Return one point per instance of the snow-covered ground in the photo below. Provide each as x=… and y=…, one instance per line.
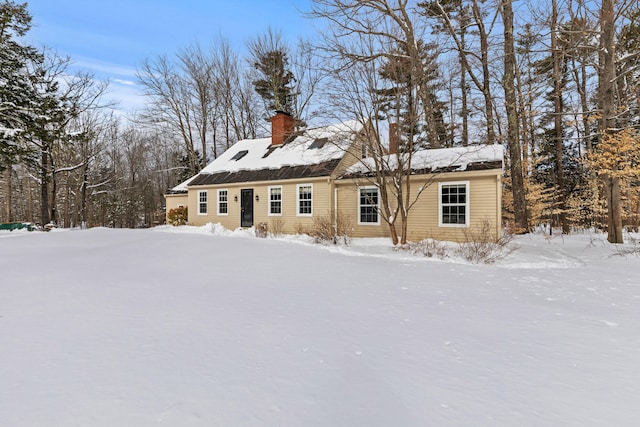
x=192, y=326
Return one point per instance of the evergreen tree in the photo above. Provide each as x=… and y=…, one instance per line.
x=459, y=21
x=411, y=98
x=628, y=45
x=555, y=168
x=16, y=90
x=270, y=58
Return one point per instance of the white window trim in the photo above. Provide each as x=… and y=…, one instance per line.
x=207, y=203
x=218, y=202
x=298, y=200
x=269, y=200
x=467, y=210
x=368, y=187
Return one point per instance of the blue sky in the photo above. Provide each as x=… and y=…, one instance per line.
x=111, y=38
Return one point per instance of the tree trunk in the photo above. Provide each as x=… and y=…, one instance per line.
x=30, y=213
x=45, y=217
x=53, y=202
x=83, y=196
x=614, y=231
x=607, y=101
x=584, y=102
x=394, y=234
x=7, y=209
x=405, y=229
x=557, y=118
x=523, y=113
x=463, y=90
x=513, y=134
x=486, y=73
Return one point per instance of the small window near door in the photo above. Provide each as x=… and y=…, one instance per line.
x=223, y=202
x=275, y=200
x=202, y=202
x=305, y=200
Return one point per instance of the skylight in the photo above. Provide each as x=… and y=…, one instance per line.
x=239, y=155
x=270, y=150
x=318, y=143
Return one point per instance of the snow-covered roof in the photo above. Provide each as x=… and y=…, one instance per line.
x=456, y=159
x=310, y=147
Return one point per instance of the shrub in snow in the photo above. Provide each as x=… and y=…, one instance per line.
x=262, y=230
x=177, y=216
x=632, y=247
x=276, y=227
x=481, y=247
x=325, y=231
x=428, y=247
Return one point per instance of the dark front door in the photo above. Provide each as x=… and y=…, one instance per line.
x=246, y=208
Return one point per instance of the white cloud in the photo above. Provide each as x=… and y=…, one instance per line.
x=128, y=96
x=123, y=88
x=125, y=82
x=101, y=67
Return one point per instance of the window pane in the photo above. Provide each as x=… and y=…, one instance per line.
x=275, y=200
x=454, y=204
x=223, y=206
x=368, y=205
x=304, y=199
x=202, y=202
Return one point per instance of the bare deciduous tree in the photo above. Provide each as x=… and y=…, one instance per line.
x=198, y=69
x=376, y=48
x=513, y=129
x=170, y=103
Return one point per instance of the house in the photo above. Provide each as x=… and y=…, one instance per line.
x=292, y=179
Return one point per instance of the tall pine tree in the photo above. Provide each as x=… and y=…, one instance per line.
x=16, y=90
x=274, y=80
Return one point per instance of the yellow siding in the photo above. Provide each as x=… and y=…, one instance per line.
x=173, y=201
x=423, y=221
x=351, y=156
x=195, y=218
x=484, y=204
x=348, y=208
x=289, y=221
x=424, y=217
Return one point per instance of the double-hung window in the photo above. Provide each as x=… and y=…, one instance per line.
x=223, y=202
x=202, y=202
x=368, y=205
x=275, y=200
x=454, y=204
x=305, y=199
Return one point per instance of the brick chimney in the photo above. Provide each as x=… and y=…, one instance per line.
x=394, y=141
x=282, y=125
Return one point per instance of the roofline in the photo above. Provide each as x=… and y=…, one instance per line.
x=319, y=170
x=272, y=182
x=471, y=167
